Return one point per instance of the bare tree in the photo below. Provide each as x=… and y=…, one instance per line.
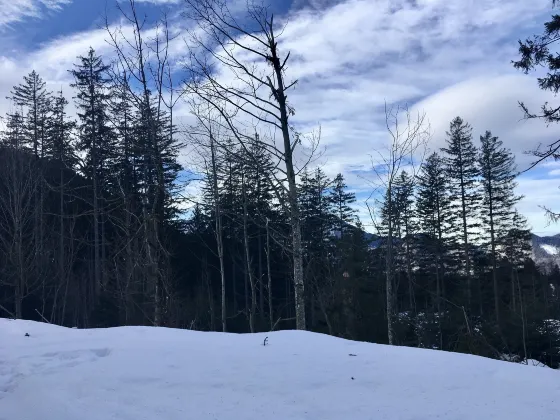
x=249, y=54
x=145, y=60
x=406, y=149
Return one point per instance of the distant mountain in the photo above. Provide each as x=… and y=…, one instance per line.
x=546, y=251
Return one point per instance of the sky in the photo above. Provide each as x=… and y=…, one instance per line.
x=444, y=58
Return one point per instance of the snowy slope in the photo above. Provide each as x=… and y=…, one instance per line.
x=138, y=373
x=550, y=249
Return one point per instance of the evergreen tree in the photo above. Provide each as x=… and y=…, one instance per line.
x=315, y=211
x=123, y=121
x=95, y=140
x=59, y=130
x=96, y=137
x=341, y=201
x=433, y=205
x=33, y=97
x=14, y=134
x=497, y=169
x=462, y=170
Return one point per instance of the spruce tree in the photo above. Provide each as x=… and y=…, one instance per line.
x=33, y=97
x=432, y=208
x=517, y=249
x=316, y=223
x=13, y=136
x=497, y=170
x=95, y=140
x=341, y=201
x=315, y=211
x=59, y=133
x=462, y=170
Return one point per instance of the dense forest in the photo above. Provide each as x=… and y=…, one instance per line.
x=96, y=229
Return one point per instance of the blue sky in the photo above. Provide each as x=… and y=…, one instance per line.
x=442, y=57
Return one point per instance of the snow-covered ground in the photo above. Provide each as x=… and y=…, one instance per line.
x=137, y=373
x=549, y=249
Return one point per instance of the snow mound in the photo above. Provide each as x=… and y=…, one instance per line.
x=549, y=249
x=134, y=373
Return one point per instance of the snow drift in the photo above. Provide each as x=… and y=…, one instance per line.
x=136, y=373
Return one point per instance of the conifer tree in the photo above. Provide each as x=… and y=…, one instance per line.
x=315, y=210
x=341, y=201
x=96, y=139
x=59, y=148
x=33, y=97
x=497, y=169
x=517, y=250
x=59, y=130
x=462, y=170
x=433, y=214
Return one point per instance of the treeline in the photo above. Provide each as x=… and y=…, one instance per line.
x=92, y=231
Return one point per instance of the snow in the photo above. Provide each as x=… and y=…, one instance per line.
x=549, y=249
x=137, y=373
x=536, y=363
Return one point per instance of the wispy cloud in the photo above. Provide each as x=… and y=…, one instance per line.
x=444, y=57
x=12, y=11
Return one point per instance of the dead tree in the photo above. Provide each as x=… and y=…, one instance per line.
x=221, y=47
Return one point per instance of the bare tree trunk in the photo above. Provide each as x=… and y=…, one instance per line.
x=248, y=259
x=324, y=311
x=219, y=232
x=297, y=247
x=404, y=145
x=493, y=256
x=261, y=283
x=522, y=309
x=389, y=272
x=466, y=244
x=513, y=300
x=270, y=307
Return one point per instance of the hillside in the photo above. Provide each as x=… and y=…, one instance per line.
x=546, y=251
x=134, y=373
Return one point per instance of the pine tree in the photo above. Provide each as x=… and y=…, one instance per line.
x=433, y=207
x=59, y=133
x=14, y=134
x=123, y=121
x=341, y=201
x=462, y=170
x=497, y=169
x=32, y=96
x=315, y=211
x=517, y=250
x=316, y=224
x=95, y=140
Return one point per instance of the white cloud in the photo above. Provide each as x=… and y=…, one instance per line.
x=12, y=11
x=450, y=57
